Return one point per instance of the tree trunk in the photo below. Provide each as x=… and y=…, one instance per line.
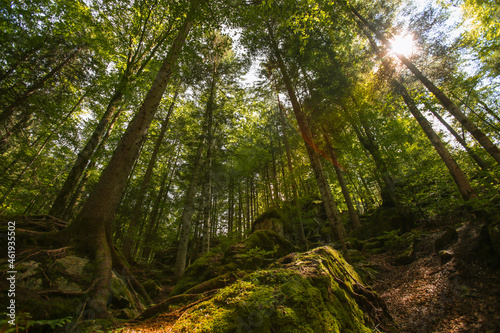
x=187, y=213
x=330, y=206
x=157, y=212
x=137, y=211
x=70, y=207
x=91, y=229
x=479, y=161
x=456, y=172
x=300, y=226
x=85, y=154
x=369, y=143
x=353, y=215
x=207, y=188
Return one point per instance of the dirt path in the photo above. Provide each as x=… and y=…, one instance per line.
x=462, y=295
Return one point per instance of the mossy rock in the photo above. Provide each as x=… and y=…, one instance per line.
x=316, y=291
x=384, y=219
x=257, y=251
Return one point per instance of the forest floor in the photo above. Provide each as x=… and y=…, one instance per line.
x=425, y=296
x=428, y=295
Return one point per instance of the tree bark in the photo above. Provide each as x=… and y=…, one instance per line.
x=456, y=172
x=353, y=215
x=157, y=211
x=137, y=211
x=187, y=213
x=207, y=188
x=91, y=230
x=82, y=160
x=479, y=161
x=330, y=206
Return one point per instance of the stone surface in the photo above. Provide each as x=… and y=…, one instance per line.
x=315, y=291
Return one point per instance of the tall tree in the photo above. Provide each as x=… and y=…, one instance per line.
x=91, y=229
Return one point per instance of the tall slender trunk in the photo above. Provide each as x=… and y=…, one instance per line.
x=92, y=227
x=77, y=193
x=456, y=172
x=157, y=211
x=368, y=142
x=240, y=212
x=487, y=144
x=137, y=211
x=300, y=225
x=330, y=206
x=353, y=215
x=207, y=188
x=187, y=213
x=479, y=161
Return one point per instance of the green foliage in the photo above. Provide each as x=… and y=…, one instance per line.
x=24, y=322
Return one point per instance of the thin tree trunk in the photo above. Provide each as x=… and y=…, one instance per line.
x=456, y=172
x=85, y=154
x=353, y=215
x=70, y=207
x=300, y=226
x=330, y=206
x=479, y=161
x=368, y=142
x=240, y=213
x=207, y=189
x=157, y=212
x=187, y=213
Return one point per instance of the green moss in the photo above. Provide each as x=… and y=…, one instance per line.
x=309, y=292
x=257, y=251
x=273, y=213
x=385, y=219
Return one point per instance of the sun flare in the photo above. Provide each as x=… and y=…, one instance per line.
x=402, y=44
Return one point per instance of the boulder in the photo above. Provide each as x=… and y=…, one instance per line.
x=445, y=256
x=259, y=250
x=315, y=291
x=270, y=220
x=385, y=219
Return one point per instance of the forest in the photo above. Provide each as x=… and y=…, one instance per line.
x=250, y=166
